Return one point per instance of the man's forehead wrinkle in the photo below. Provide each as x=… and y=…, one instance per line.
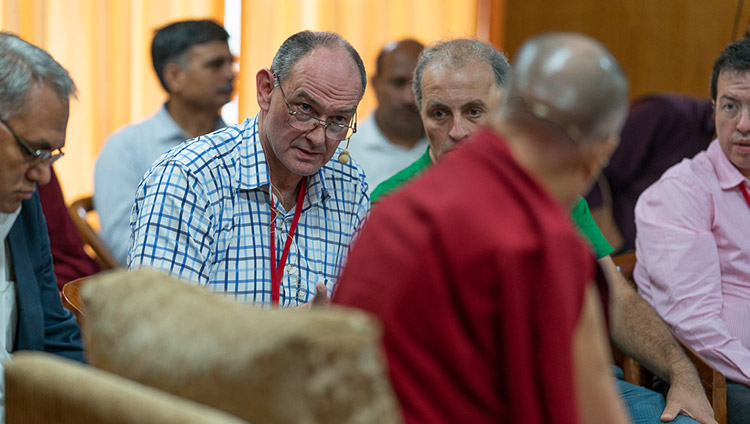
x=327, y=94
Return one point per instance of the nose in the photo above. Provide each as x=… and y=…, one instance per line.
x=40, y=173
x=743, y=126
x=317, y=135
x=459, y=129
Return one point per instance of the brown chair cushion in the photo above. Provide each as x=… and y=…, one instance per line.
x=289, y=366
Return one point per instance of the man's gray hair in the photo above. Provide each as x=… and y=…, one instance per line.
x=570, y=80
x=21, y=65
x=300, y=44
x=456, y=54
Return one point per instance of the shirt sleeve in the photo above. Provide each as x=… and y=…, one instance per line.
x=581, y=215
x=172, y=224
x=679, y=268
x=116, y=178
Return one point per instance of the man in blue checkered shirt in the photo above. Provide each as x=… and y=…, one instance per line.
x=258, y=210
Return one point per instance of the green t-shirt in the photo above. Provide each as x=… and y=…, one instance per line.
x=580, y=213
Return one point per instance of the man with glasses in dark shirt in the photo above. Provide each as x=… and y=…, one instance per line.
x=258, y=210
x=34, y=95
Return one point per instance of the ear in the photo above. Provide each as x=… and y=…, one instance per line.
x=599, y=154
x=174, y=77
x=264, y=86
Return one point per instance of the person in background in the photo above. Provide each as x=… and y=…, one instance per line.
x=34, y=104
x=196, y=69
x=693, y=237
x=392, y=137
x=258, y=210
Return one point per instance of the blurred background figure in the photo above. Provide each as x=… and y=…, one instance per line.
x=196, y=69
x=392, y=137
x=661, y=130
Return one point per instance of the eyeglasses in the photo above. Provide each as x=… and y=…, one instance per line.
x=36, y=155
x=304, y=121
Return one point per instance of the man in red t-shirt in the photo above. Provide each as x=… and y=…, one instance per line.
x=482, y=285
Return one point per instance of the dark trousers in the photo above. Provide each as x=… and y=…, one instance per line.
x=738, y=403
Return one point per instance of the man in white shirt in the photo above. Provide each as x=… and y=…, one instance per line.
x=392, y=137
x=34, y=95
x=195, y=67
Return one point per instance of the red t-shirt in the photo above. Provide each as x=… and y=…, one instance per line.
x=478, y=278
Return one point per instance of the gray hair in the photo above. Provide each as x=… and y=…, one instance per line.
x=300, y=44
x=458, y=53
x=570, y=80
x=22, y=64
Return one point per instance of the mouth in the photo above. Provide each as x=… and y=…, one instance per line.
x=226, y=89
x=307, y=154
x=26, y=195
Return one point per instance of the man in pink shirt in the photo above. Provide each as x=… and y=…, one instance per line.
x=693, y=237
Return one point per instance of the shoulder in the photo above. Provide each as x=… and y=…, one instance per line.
x=215, y=150
x=685, y=191
x=134, y=131
x=696, y=173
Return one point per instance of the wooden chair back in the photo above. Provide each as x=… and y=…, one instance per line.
x=71, y=298
x=80, y=211
x=714, y=383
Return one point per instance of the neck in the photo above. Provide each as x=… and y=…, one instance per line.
x=563, y=178
x=284, y=182
x=287, y=189
x=406, y=137
x=193, y=121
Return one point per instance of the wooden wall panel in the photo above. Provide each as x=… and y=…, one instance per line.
x=663, y=45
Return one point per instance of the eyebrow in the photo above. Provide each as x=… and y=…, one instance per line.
x=221, y=59
x=474, y=103
x=434, y=105
x=42, y=145
x=728, y=97
x=315, y=104
x=470, y=103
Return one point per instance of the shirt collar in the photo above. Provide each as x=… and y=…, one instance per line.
x=728, y=175
x=253, y=168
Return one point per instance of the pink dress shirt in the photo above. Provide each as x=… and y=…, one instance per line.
x=693, y=251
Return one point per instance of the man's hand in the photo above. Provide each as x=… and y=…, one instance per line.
x=686, y=397
x=320, y=299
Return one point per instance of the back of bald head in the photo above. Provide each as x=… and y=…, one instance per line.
x=570, y=80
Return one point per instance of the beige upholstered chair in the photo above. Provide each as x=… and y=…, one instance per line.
x=42, y=388
x=287, y=366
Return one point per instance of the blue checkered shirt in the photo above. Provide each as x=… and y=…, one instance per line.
x=203, y=214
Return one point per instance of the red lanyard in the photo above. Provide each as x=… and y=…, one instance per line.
x=277, y=273
x=744, y=193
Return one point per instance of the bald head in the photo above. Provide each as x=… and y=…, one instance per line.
x=570, y=80
x=408, y=47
